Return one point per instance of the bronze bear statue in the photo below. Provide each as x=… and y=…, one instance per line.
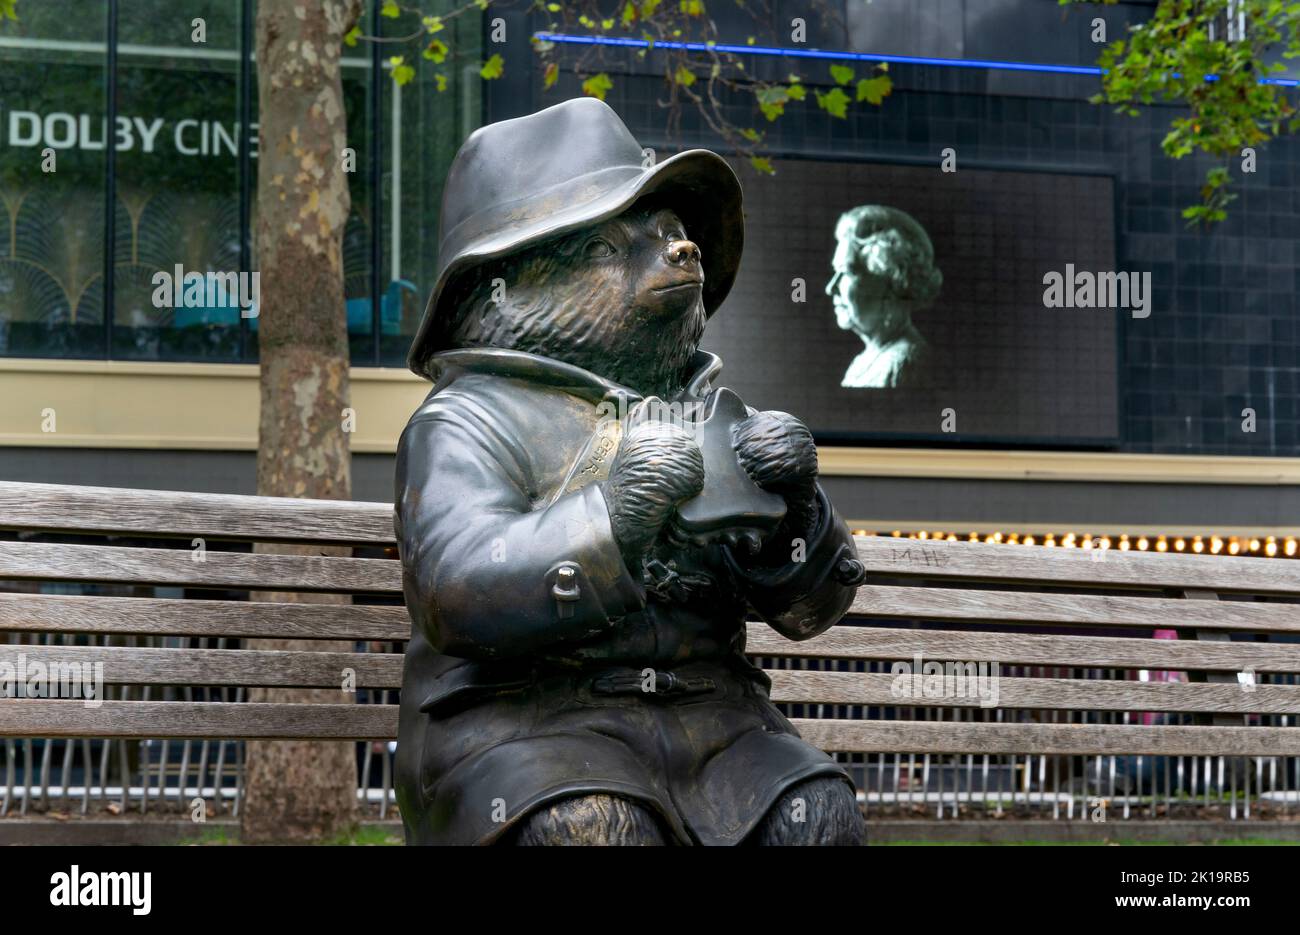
x=578, y=567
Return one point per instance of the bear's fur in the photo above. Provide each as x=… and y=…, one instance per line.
x=562, y=299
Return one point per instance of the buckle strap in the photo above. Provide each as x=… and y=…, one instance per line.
x=649, y=681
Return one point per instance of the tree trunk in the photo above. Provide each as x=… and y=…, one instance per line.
x=301, y=790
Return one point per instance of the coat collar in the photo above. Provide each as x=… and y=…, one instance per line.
x=446, y=366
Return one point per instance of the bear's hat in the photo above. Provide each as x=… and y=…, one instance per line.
x=522, y=181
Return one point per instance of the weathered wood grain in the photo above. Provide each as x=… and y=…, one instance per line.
x=850, y=642
x=1060, y=739
x=68, y=613
x=1203, y=596
x=39, y=717
x=941, y=559
x=1088, y=610
x=864, y=688
x=151, y=666
x=256, y=571
x=59, y=508
x=68, y=508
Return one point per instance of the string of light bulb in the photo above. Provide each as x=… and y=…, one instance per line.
x=1251, y=546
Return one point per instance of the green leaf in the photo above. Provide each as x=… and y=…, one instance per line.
x=629, y=14
x=349, y=39
x=597, y=85
x=771, y=101
x=648, y=8
x=440, y=81
x=432, y=24
x=842, y=74
x=684, y=76
x=692, y=7
x=835, y=102
x=874, y=90
x=9, y=10
x=550, y=75
x=796, y=92
x=553, y=7
x=606, y=24
x=762, y=164
x=751, y=134
x=436, y=51
x=492, y=68
x=390, y=9
x=402, y=72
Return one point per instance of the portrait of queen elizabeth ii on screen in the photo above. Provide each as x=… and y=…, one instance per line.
x=883, y=271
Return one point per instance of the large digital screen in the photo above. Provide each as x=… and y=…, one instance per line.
x=881, y=301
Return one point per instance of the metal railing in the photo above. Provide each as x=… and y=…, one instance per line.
x=103, y=777
x=1066, y=788
x=89, y=776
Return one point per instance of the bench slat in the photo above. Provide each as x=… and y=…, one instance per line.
x=875, y=688
x=74, y=613
x=1086, y=610
x=66, y=508
x=848, y=642
x=150, y=666
x=40, y=717
x=64, y=718
x=101, y=563
x=941, y=559
x=1054, y=739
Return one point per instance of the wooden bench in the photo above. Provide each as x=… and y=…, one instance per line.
x=944, y=601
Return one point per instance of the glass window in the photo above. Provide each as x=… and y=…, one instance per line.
x=423, y=129
x=359, y=261
x=177, y=183
x=182, y=179
x=53, y=64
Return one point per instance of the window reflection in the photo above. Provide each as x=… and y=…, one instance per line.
x=184, y=198
x=177, y=181
x=52, y=67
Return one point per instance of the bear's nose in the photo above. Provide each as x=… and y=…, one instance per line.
x=682, y=252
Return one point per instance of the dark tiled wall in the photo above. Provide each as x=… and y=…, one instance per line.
x=1222, y=335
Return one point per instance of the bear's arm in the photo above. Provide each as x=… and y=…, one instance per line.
x=480, y=564
x=803, y=599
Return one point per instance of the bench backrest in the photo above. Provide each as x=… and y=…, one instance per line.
x=941, y=601
x=1224, y=685
x=243, y=598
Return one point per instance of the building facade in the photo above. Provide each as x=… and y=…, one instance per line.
x=1168, y=421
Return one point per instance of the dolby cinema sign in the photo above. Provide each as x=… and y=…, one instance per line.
x=63, y=131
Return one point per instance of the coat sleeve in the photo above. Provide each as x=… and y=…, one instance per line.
x=488, y=571
x=801, y=599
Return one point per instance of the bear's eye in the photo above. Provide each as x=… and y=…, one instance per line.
x=597, y=247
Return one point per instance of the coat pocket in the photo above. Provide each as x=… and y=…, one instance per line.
x=465, y=684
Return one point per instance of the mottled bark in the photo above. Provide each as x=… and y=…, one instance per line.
x=301, y=790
